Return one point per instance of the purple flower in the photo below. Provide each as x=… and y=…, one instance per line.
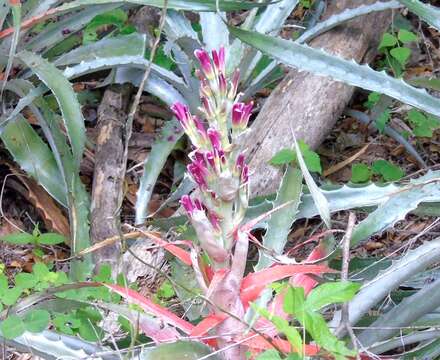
x=219, y=60
x=199, y=126
x=182, y=113
x=241, y=114
x=205, y=62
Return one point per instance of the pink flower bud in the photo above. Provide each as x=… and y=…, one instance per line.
x=207, y=106
x=241, y=114
x=199, y=173
x=215, y=220
x=182, y=113
x=188, y=204
x=234, y=84
x=215, y=138
x=222, y=86
x=205, y=62
x=239, y=163
x=245, y=174
x=200, y=127
x=219, y=60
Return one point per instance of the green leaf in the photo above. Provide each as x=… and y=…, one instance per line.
x=3, y=283
x=166, y=290
x=188, y=350
x=19, y=238
x=10, y=296
x=66, y=324
x=422, y=125
x=104, y=274
x=294, y=300
x=388, y=171
x=271, y=354
x=116, y=17
x=12, y=327
x=66, y=98
x=360, y=173
x=331, y=293
x=388, y=40
x=286, y=156
x=382, y=120
x=25, y=280
x=282, y=157
x=51, y=239
x=36, y=320
x=90, y=332
x=321, y=63
x=401, y=54
x=41, y=271
x=373, y=99
x=406, y=36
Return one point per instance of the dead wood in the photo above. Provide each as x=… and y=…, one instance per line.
x=306, y=104
x=108, y=177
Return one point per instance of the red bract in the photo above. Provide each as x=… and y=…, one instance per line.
x=254, y=283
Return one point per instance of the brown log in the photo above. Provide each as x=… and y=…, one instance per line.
x=108, y=177
x=307, y=104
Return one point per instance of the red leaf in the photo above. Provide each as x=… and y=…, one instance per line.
x=305, y=281
x=254, y=283
x=178, y=252
x=152, y=308
x=207, y=324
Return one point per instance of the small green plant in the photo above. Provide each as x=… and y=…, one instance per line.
x=36, y=238
x=393, y=46
x=361, y=173
x=422, y=125
x=306, y=310
x=287, y=156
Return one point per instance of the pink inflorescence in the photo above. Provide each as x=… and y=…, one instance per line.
x=215, y=165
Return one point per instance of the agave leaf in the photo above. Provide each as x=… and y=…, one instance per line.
x=423, y=189
x=190, y=350
x=160, y=150
x=186, y=5
x=66, y=98
x=4, y=10
x=403, y=315
x=34, y=157
x=214, y=30
x=125, y=45
x=321, y=63
x=344, y=16
x=430, y=350
x=16, y=20
x=279, y=223
x=270, y=22
x=426, y=12
x=76, y=195
x=52, y=346
x=318, y=196
x=178, y=26
x=403, y=269
x=52, y=35
x=416, y=337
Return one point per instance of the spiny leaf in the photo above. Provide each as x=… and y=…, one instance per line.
x=190, y=350
x=428, y=13
x=34, y=157
x=344, y=16
x=279, y=223
x=66, y=98
x=322, y=63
